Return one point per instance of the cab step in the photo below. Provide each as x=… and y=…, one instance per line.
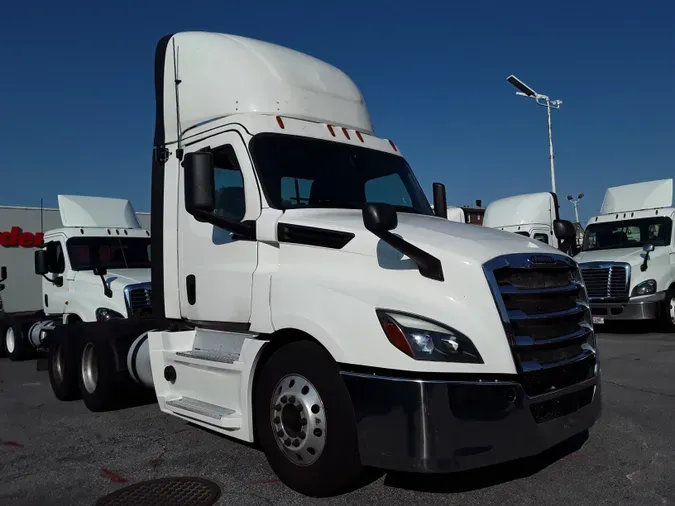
x=204, y=411
x=212, y=355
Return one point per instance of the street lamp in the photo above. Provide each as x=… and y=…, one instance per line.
x=575, y=203
x=543, y=100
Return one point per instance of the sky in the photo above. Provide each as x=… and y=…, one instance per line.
x=77, y=96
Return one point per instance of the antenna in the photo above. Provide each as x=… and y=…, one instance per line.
x=42, y=228
x=176, y=82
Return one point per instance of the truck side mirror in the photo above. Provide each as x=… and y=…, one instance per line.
x=101, y=273
x=564, y=230
x=440, y=202
x=41, y=262
x=647, y=248
x=200, y=188
x=379, y=217
x=3, y=273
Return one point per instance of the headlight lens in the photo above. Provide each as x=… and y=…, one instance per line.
x=103, y=314
x=427, y=340
x=645, y=288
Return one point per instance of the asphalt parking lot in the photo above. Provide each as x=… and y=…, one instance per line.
x=54, y=453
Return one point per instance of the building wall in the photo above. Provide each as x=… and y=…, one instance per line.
x=20, y=235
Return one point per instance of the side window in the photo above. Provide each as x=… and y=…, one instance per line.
x=57, y=262
x=541, y=237
x=229, y=183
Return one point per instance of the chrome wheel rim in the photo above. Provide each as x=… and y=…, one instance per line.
x=57, y=364
x=672, y=310
x=298, y=420
x=10, y=342
x=89, y=368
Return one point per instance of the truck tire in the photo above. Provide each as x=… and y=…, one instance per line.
x=305, y=421
x=63, y=366
x=3, y=346
x=668, y=317
x=16, y=344
x=97, y=379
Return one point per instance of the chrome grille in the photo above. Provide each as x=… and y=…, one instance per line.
x=138, y=298
x=543, y=305
x=606, y=281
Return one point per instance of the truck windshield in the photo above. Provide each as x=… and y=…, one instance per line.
x=86, y=253
x=301, y=172
x=628, y=233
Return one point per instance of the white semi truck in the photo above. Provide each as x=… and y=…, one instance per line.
x=626, y=257
x=97, y=234
x=534, y=215
x=305, y=296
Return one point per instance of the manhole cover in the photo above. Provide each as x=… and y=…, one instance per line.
x=165, y=492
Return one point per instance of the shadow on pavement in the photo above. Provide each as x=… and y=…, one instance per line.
x=466, y=481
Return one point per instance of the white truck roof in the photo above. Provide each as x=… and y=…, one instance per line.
x=638, y=196
x=529, y=208
x=222, y=75
x=97, y=212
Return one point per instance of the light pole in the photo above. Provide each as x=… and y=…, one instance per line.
x=575, y=203
x=543, y=100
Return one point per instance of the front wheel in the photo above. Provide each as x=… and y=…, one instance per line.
x=668, y=316
x=305, y=421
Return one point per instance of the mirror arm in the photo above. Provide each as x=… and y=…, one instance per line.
x=107, y=291
x=428, y=265
x=246, y=229
x=644, y=265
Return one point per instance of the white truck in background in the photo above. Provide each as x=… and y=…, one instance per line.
x=534, y=215
x=307, y=298
x=626, y=257
x=97, y=234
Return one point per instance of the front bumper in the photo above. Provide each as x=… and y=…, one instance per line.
x=446, y=426
x=644, y=308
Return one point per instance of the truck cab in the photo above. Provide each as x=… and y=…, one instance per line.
x=94, y=268
x=627, y=255
x=306, y=297
x=534, y=215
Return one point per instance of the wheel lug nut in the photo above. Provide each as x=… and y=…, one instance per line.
x=302, y=435
x=280, y=433
x=277, y=407
x=291, y=399
x=296, y=443
x=317, y=432
x=303, y=422
x=283, y=399
x=287, y=442
x=276, y=419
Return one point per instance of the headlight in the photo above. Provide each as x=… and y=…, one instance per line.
x=103, y=314
x=645, y=288
x=427, y=340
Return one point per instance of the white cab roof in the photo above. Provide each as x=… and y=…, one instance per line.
x=638, y=196
x=100, y=212
x=222, y=75
x=524, y=209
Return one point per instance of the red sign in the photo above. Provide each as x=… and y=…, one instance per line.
x=16, y=237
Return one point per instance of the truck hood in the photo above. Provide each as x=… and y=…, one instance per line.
x=128, y=276
x=658, y=265
x=438, y=236
x=632, y=256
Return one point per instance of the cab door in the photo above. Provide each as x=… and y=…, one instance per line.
x=216, y=265
x=56, y=287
